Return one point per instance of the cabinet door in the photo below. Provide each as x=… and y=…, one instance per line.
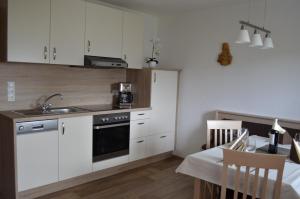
x=137, y=149
x=163, y=101
x=133, y=39
x=67, y=32
x=28, y=31
x=103, y=31
x=37, y=159
x=75, y=146
x=161, y=143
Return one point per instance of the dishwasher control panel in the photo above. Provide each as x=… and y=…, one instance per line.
x=36, y=126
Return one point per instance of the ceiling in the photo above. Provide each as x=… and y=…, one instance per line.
x=170, y=6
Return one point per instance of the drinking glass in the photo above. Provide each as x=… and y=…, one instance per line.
x=251, y=144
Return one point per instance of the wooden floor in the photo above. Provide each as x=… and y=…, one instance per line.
x=155, y=181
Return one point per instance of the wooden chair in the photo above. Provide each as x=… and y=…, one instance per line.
x=257, y=161
x=223, y=131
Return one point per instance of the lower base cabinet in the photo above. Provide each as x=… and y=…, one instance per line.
x=143, y=142
x=59, y=155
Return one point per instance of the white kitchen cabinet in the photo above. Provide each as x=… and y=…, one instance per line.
x=28, y=31
x=46, y=31
x=37, y=159
x=75, y=146
x=133, y=39
x=104, y=31
x=138, y=149
x=161, y=143
x=163, y=101
x=67, y=32
x=139, y=128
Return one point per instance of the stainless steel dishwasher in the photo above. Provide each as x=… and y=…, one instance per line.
x=37, y=153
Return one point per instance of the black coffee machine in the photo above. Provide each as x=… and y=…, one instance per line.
x=125, y=97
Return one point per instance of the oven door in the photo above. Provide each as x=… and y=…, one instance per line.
x=110, y=141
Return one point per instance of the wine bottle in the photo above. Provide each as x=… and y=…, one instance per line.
x=273, y=142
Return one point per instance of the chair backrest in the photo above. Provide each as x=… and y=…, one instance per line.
x=256, y=161
x=222, y=129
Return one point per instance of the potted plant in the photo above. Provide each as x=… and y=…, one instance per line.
x=153, y=60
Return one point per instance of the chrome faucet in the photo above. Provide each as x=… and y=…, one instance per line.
x=46, y=106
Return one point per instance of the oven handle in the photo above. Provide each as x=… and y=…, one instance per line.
x=110, y=126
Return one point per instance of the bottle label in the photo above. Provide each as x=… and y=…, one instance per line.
x=272, y=139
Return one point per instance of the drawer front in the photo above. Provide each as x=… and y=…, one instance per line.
x=160, y=144
x=140, y=115
x=139, y=128
x=138, y=149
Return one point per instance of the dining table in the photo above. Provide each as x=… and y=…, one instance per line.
x=207, y=166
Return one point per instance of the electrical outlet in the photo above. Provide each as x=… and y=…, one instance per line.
x=11, y=93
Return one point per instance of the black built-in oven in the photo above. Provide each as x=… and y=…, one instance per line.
x=110, y=136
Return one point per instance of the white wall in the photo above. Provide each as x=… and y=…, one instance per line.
x=263, y=82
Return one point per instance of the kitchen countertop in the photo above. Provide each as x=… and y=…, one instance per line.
x=85, y=111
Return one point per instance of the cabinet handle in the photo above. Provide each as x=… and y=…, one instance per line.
x=163, y=136
x=89, y=46
x=54, y=53
x=142, y=123
x=45, y=52
x=63, y=128
x=155, y=77
x=140, y=141
x=125, y=57
x=141, y=114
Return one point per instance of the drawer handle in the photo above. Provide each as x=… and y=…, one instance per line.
x=141, y=114
x=142, y=123
x=54, y=53
x=45, y=52
x=163, y=136
x=140, y=141
x=89, y=46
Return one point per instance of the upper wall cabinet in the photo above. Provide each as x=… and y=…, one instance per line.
x=133, y=39
x=46, y=31
x=67, y=32
x=28, y=31
x=63, y=31
x=103, y=31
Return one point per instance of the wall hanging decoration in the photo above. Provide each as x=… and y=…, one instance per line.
x=154, y=59
x=225, y=57
x=256, y=41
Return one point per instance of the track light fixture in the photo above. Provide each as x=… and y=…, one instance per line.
x=256, y=40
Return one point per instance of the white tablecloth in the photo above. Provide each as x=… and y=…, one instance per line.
x=207, y=165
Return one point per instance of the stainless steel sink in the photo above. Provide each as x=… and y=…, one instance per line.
x=63, y=110
x=52, y=111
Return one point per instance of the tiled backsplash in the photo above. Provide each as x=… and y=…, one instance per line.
x=79, y=86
